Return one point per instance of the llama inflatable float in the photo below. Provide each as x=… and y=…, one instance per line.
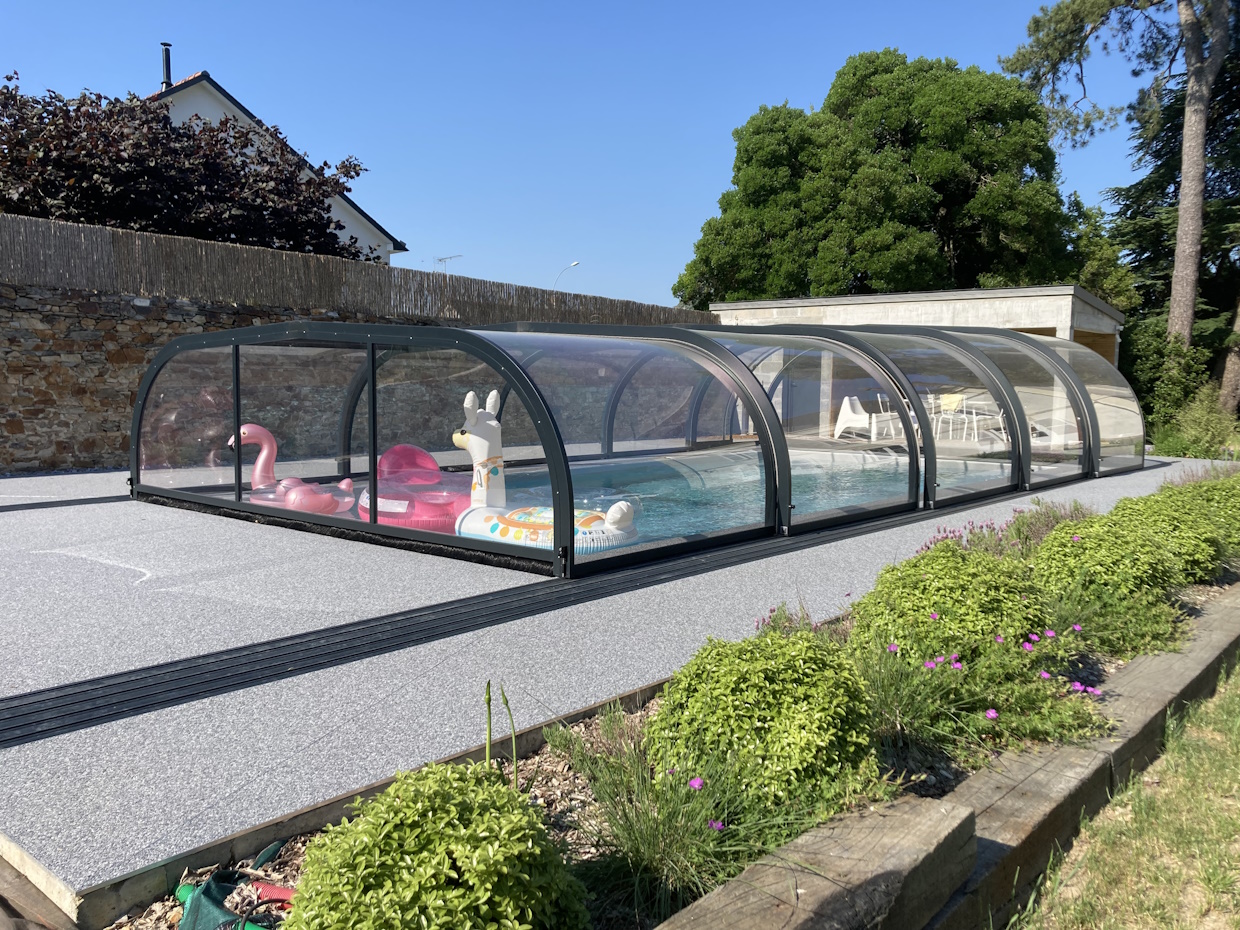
x=488, y=517
x=290, y=493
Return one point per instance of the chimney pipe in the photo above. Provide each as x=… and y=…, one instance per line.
x=167, y=66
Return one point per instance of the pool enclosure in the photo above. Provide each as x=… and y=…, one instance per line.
x=573, y=449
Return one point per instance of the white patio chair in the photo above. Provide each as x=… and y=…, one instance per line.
x=852, y=416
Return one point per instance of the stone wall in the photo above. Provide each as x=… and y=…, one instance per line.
x=73, y=360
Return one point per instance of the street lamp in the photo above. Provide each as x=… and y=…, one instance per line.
x=564, y=269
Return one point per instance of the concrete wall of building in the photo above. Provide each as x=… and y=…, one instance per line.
x=1066, y=311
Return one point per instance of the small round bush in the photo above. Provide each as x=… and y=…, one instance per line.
x=1216, y=500
x=946, y=601
x=787, y=712
x=447, y=846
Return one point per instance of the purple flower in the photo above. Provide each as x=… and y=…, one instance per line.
x=696, y=784
x=957, y=665
x=929, y=663
x=1045, y=674
x=933, y=615
x=894, y=647
x=672, y=770
x=1077, y=686
x=1022, y=597
x=1028, y=647
x=715, y=824
x=1034, y=637
x=955, y=656
x=1050, y=634
x=1076, y=539
x=992, y=714
x=998, y=639
x=1077, y=627
x=848, y=594
x=1092, y=691
x=940, y=659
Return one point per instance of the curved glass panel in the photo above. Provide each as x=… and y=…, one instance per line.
x=973, y=449
x=845, y=439
x=292, y=394
x=1056, y=428
x=656, y=451
x=426, y=478
x=187, y=421
x=1121, y=428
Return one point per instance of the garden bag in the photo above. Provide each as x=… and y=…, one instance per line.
x=204, y=906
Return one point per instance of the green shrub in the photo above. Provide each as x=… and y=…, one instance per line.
x=1214, y=499
x=788, y=713
x=1147, y=545
x=1207, y=431
x=664, y=841
x=447, y=846
x=1169, y=442
x=948, y=600
x=1117, y=625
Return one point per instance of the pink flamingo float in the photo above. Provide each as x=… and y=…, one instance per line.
x=414, y=493
x=290, y=493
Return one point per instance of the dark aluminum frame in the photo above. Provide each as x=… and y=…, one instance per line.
x=878, y=367
x=1078, y=393
x=561, y=560
x=700, y=342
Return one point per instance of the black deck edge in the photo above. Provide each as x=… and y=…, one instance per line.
x=69, y=502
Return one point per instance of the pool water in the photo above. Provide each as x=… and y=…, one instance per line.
x=699, y=494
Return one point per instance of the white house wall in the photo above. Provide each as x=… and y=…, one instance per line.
x=201, y=99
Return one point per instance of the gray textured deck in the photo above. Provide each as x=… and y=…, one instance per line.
x=101, y=802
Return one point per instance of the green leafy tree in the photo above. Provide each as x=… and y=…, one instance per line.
x=913, y=174
x=124, y=163
x=1063, y=37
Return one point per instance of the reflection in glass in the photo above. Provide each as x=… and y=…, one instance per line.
x=186, y=424
x=1121, y=428
x=971, y=440
x=840, y=416
x=652, y=426
x=291, y=398
x=1057, y=446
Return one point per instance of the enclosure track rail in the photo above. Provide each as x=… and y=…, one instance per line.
x=70, y=502
x=37, y=715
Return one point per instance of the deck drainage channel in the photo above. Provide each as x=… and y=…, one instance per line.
x=37, y=715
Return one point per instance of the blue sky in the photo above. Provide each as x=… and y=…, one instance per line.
x=527, y=136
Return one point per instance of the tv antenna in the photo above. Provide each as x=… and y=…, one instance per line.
x=444, y=261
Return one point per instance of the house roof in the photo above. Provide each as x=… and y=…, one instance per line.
x=204, y=77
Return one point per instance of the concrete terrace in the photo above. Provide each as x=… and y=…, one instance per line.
x=96, y=585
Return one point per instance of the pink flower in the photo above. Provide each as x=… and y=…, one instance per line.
x=1077, y=627
x=1028, y=647
x=715, y=824
x=894, y=647
x=998, y=639
x=1076, y=539
x=696, y=784
x=1077, y=686
x=929, y=663
x=992, y=714
x=939, y=659
x=1022, y=597
x=1092, y=691
x=955, y=656
x=672, y=770
x=1050, y=634
x=1035, y=637
x=957, y=665
x=933, y=615
x=1045, y=674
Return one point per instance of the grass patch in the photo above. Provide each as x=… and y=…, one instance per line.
x=1166, y=852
